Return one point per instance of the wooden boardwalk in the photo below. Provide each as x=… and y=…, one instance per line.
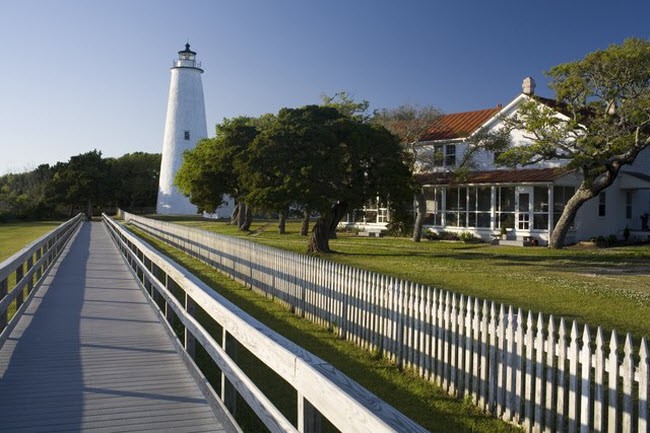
x=91, y=354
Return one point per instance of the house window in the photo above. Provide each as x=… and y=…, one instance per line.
x=450, y=155
x=561, y=195
x=438, y=155
x=433, y=197
x=444, y=155
x=186, y=134
x=540, y=208
x=628, y=205
x=506, y=207
x=602, y=202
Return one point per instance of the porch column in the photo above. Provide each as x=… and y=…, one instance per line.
x=493, y=207
x=550, y=210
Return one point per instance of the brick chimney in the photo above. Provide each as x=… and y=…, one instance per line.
x=528, y=86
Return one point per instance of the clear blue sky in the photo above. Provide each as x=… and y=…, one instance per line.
x=83, y=75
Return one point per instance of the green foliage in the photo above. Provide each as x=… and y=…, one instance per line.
x=345, y=104
x=468, y=237
x=598, y=123
x=213, y=167
x=130, y=181
x=135, y=180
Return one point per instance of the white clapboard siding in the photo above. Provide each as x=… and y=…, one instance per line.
x=520, y=367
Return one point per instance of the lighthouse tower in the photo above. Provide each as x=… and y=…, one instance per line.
x=184, y=126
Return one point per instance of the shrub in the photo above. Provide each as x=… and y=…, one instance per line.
x=468, y=237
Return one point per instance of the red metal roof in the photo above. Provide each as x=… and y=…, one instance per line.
x=458, y=125
x=524, y=175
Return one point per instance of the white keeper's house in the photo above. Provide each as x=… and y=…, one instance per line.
x=526, y=201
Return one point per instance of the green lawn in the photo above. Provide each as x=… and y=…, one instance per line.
x=16, y=235
x=608, y=287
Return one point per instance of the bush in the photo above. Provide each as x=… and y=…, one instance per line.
x=432, y=236
x=468, y=237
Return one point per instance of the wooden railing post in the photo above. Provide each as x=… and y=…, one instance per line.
x=228, y=393
x=309, y=419
x=190, y=341
x=169, y=312
x=20, y=295
x=4, y=289
x=39, y=271
x=30, y=265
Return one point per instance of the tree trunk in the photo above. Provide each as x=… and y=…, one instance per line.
x=319, y=241
x=244, y=217
x=558, y=235
x=234, y=217
x=89, y=209
x=420, y=211
x=282, y=222
x=304, y=229
x=320, y=234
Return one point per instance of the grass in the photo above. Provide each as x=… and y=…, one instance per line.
x=608, y=287
x=419, y=399
x=14, y=237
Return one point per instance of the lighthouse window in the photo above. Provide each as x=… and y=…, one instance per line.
x=187, y=135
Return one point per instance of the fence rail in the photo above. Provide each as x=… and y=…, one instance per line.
x=322, y=390
x=526, y=368
x=23, y=270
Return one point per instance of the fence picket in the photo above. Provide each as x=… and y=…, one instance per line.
x=599, y=373
x=510, y=354
x=528, y=386
x=519, y=366
x=643, y=386
x=561, y=377
x=550, y=376
x=538, y=404
x=467, y=370
x=612, y=382
x=585, y=380
x=627, y=371
x=573, y=379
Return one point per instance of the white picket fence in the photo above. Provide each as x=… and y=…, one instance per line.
x=527, y=369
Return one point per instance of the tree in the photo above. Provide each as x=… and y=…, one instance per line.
x=324, y=161
x=211, y=169
x=82, y=181
x=410, y=123
x=135, y=179
x=604, y=121
x=345, y=104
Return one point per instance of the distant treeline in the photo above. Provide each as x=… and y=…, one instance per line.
x=87, y=183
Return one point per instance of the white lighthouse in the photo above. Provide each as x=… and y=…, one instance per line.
x=184, y=126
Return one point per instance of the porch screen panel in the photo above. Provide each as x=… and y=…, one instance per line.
x=506, y=207
x=561, y=195
x=540, y=208
x=479, y=204
x=456, y=215
x=433, y=197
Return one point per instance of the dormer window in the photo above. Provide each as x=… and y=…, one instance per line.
x=444, y=155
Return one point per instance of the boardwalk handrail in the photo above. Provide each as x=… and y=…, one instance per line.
x=521, y=366
x=28, y=267
x=321, y=389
